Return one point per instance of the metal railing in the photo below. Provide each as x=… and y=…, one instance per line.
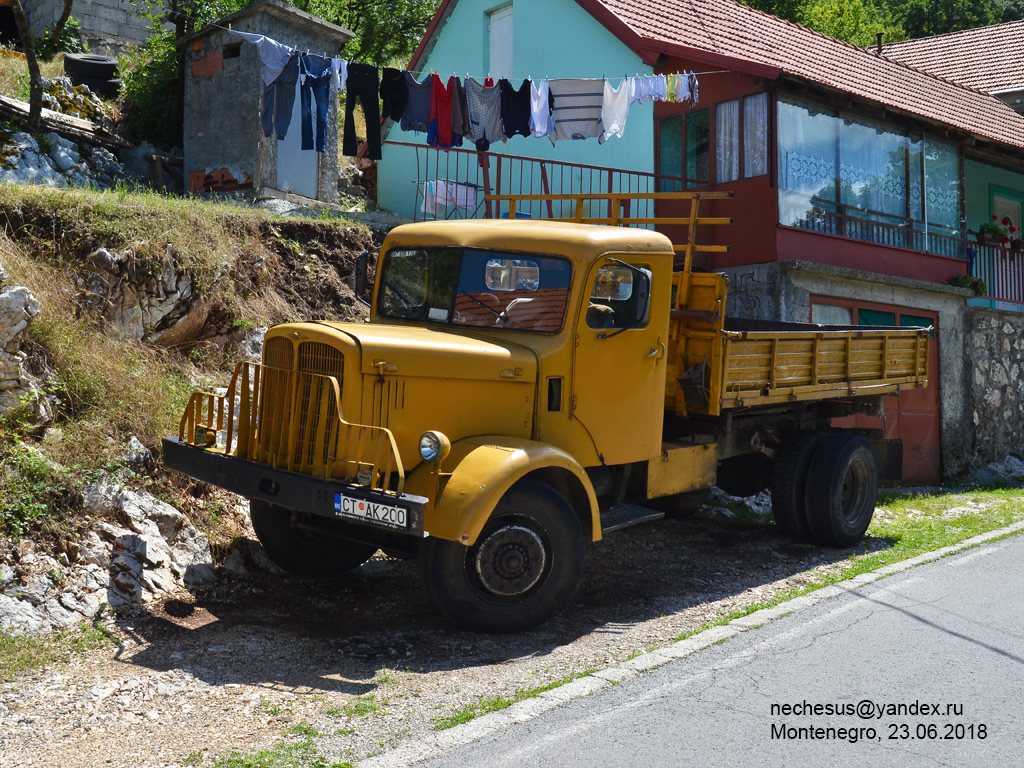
x=469, y=177
x=827, y=217
x=291, y=420
x=1002, y=269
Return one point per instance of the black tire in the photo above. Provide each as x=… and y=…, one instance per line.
x=789, y=483
x=108, y=89
x=842, y=486
x=299, y=551
x=523, y=567
x=90, y=65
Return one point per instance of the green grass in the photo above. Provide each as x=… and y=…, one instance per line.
x=360, y=706
x=904, y=526
x=302, y=754
x=489, y=704
x=24, y=653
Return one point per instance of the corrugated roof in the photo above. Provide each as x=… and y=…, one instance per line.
x=987, y=58
x=728, y=28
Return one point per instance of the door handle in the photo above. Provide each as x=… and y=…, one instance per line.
x=658, y=352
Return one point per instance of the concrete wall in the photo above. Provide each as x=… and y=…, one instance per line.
x=222, y=113
x=551, y=39
x=995, y=351
x=104, y=23
x=782, y=291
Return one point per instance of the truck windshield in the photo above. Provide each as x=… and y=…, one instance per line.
x=460, y=286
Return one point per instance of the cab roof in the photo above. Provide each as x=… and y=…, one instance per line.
x=577, y=241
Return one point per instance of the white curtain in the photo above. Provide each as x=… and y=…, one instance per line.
x=755, y=135
x=727, y=141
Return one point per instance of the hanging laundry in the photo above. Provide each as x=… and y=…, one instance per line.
x=273, y=54
x=460, y=109
x=393, y=92
x=672, y=77
x=694, y=95
x=279, y=98
x=315, y=76
x=456, y=195
x=362, y=85
x=515, y=108
x=682, y=88
x=541, y=102
x=484, y=103
x=339, y=68
x=416, y=115
x=439, y=130
x=614, y=110
x=577, y=110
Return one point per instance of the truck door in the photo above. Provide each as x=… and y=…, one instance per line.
x=619, y=364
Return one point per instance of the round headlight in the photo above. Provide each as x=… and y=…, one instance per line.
x=434, y=446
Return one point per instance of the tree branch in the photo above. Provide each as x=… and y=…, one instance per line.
x=35, y=78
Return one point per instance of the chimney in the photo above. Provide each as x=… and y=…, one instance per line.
x=878, y=45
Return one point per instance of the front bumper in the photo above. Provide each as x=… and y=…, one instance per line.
x=288, y=489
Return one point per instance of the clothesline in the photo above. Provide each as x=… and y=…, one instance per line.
x=448, y=111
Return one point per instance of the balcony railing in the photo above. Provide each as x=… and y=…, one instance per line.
x=825, y=216
x=452, y=184
x=1002, y=269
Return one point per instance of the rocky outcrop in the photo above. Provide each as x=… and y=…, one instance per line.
x=149, y=552
x=161, y=308
x=55, y=161
x=18, y=388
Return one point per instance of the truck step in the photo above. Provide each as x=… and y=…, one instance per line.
x=625, y=515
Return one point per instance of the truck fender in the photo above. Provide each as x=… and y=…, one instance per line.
x=478, y=472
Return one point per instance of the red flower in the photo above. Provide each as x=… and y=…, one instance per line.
x=994, y=217
x=1013, y=229
x=1006, y=221
x=1004, y=240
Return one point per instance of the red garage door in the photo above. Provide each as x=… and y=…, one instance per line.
x=913, y=415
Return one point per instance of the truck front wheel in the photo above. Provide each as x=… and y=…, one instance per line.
x=299, y=549
x=842, y=486
x=522, y=568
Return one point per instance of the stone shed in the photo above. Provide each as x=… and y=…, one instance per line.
x=224, y=145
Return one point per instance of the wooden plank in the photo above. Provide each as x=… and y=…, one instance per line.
x=70, y=127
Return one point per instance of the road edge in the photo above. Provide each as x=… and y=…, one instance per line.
x=443, y=741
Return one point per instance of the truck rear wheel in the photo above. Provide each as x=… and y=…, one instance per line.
x=301, y=551
x=523, y=567
x=789, y=483
x=842, y=485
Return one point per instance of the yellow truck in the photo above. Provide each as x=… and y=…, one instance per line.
x=523, y=387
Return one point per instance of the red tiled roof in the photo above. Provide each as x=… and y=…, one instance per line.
x=986, y=58
x=728, y=28
x=727, y=34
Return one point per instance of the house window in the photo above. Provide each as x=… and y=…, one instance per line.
x=684, y=150
x=734, y=159
x=845, y=175
x=499, y=25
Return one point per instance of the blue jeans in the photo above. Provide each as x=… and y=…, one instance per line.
x=316, y=86
x=278, y=100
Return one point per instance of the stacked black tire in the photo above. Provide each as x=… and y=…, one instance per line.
x=99, y=73
x=824, y=487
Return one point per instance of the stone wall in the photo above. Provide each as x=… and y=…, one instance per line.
x=995, y=352
x=104, y=23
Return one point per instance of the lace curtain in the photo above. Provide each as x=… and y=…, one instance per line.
x=755, y=135
x=727, y=141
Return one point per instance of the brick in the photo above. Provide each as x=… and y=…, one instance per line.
x=210, y=64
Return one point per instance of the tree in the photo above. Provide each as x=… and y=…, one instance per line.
x=854, y=21
x=63, y=20
x=35, y=78
x=921, y=18
x=385, y=32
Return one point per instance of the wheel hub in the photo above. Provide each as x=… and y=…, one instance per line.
x=511, y=560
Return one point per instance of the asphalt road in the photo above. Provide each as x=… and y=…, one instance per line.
x=933, y=657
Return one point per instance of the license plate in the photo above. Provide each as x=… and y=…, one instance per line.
x=370, y=511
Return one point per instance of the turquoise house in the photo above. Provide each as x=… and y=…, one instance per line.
x=540, y=39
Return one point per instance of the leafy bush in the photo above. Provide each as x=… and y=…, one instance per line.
x=70, y=41
x=148, y=78
x=976, y=284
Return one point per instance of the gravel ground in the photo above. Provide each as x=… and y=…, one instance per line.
x=350, y=667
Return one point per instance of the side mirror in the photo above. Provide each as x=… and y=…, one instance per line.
x=362, y=267
x=642, y=288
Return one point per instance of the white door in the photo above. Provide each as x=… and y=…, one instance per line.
x=297, y=170
x=501, y=43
